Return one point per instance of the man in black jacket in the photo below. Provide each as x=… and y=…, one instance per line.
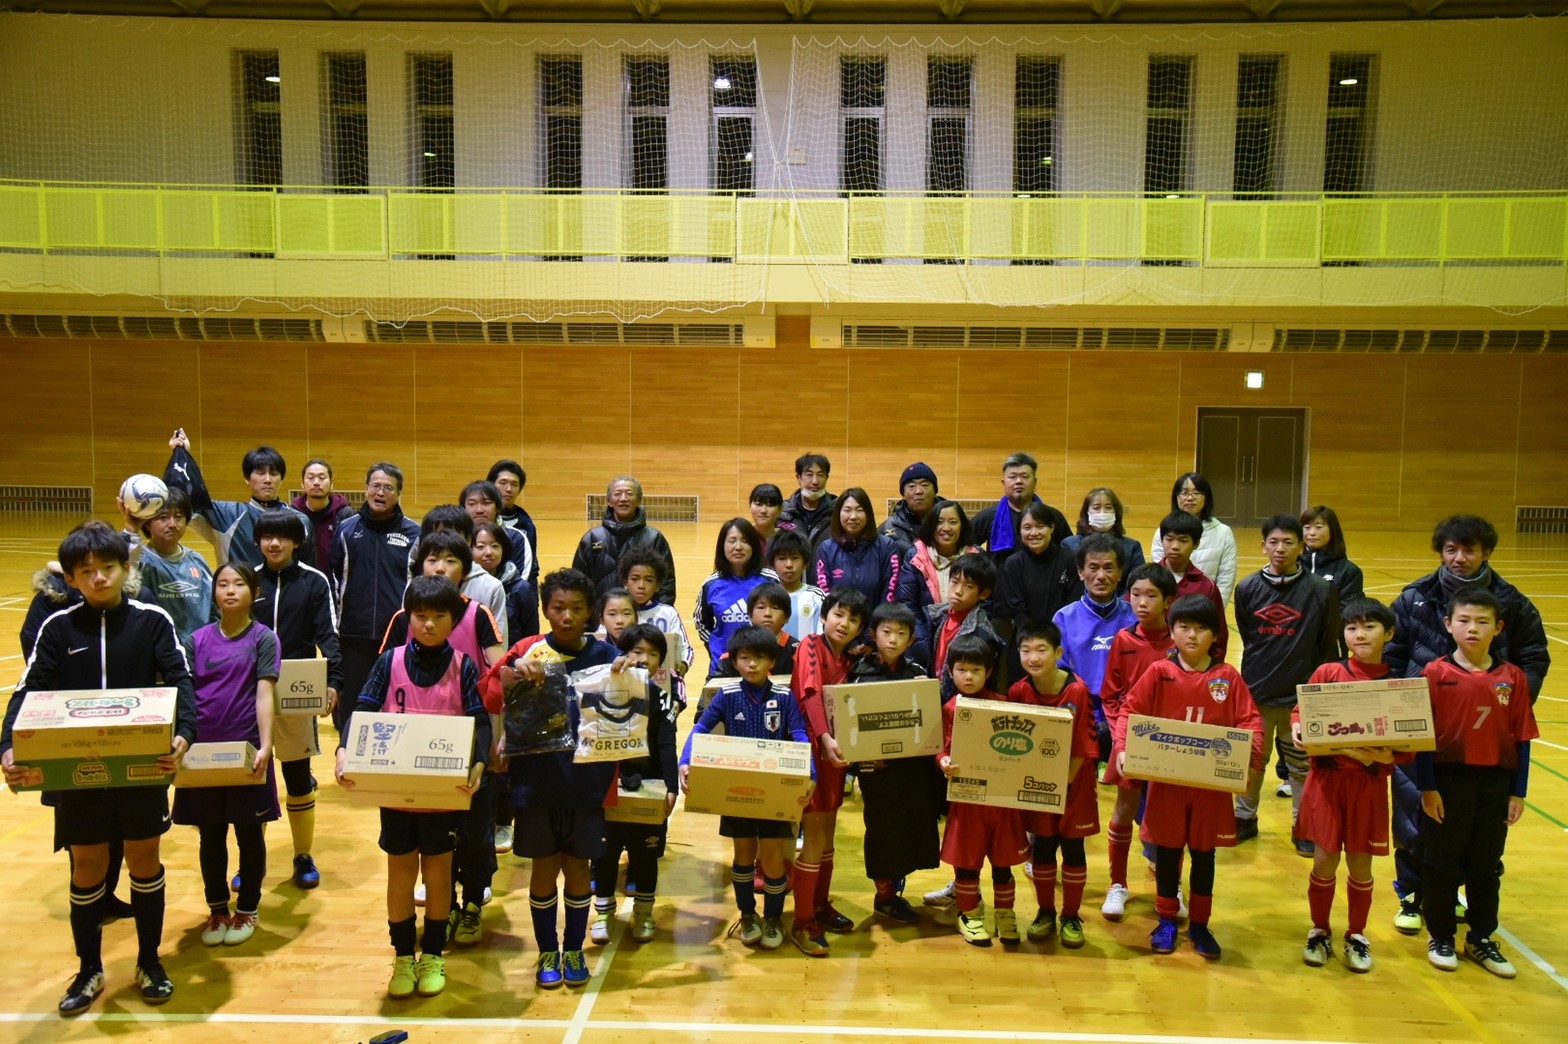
x=107, y=641
x=810, y=509
x=917, y=486
x=625, y=524
x=1465, y=543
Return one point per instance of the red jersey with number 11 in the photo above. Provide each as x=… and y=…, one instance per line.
x=1216, y=696
x=1480, y=716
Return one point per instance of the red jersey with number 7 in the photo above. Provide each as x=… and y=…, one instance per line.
x=1480, y=717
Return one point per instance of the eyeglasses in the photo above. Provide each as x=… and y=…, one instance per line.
x=380, y=487
x=1189, y=494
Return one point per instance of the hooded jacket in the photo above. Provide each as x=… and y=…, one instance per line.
x=814, y=524
x=599, y=551
x=902, y=526
x=324, y=524
x=1338, y=570
x=369, y=567
x=50, y=594
x=1420, y=637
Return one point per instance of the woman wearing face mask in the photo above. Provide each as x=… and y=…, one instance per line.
x=1102, y=513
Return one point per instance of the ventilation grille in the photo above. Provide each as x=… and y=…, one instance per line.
x=1444, y=342
x=971, y=508
x=353, y=496
x=1541, y=520
x=159, y=328
x=443, y=331
x=1061, y=338
x=675, y=508
x=46, y=500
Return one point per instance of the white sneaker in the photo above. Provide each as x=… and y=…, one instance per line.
x=1485, y=953
x=1358, y=953
x=1319, y=948
x=943, y=898
x=599, y=927
x=489, y=895
x=1283, y=790
x=1440, y=952
x=1181, y=905
x=503, y=839
x=1115, y=905
x=419, y=894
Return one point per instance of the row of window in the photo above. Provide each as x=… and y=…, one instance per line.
x=1168, y=144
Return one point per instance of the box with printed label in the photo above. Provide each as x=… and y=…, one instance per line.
x=218, y=765
x=754, y=778
x=1010, y=755
x=408, y=761
x=302, y=687
x=890, y=719
x=87, y=738
x=1210, y=757
x=1386, y=712
x=643, y=805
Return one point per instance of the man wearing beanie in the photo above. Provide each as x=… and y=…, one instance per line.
x=917, y=485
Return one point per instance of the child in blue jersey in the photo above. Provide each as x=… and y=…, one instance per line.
x=230, y=524
x=1089, y=624
x=560, y=804
x=789, y=556
x=235, y=667
x=754, y=708
x=721, y=604
x=174, y=577
x=424, y=676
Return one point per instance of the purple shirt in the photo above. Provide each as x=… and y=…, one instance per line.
x=226, y=671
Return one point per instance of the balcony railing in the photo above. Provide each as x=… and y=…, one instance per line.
x=1216, y=230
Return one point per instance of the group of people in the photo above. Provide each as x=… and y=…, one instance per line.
x=449, y=615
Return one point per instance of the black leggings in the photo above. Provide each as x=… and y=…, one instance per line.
x=1000, y=875
x=1167, y=872
x=1044, y=850
x=641, y=843
x=297, y=779
x=215, y=864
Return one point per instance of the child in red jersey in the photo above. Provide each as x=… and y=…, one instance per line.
x=1344, y=804
x=976, y=833
x=1180, y=534
x=1190, y=687
x=1046, y=684
x=822, y=660
x=1473, y=785
x=1150, y=590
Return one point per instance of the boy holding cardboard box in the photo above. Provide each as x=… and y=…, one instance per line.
x=107, y=641
x=1344, y=805
x=425, y=676
x=1190, y=687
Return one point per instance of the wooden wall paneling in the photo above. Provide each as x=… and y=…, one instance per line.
x=252, y=395
x=1357, y=408
x=903, y=407
x=1120, y=427
x=1461, y=439
x=467, y=416
x=362, y=412
x=1010, y=401
x=793, y=402
x=686, y=426
x=1542, y=463
x=141, y=393
x=577, y=424
x=46, y=428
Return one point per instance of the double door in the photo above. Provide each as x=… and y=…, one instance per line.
x=1255, y=458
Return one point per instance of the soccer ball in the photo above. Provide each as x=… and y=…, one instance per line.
x=143, y=495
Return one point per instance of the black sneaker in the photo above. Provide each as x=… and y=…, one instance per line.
x=898, y=909
x=84, y=989
x=156, y=986
x=1246, y=829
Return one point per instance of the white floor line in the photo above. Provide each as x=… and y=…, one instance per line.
x=1554, y=746
x=590, y=994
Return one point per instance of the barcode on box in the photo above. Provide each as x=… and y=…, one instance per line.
x=794, y=763
x=893, y=748
x=299, y=703
x=1411, y=725
x=1034, y=797
x=1220, y=773
x=226, y=757
x=427, y=762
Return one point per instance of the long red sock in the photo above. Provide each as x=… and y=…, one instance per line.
x=1044, y=877
x=1073, y=880
x=1320, y=900
x=1118, y=840
x=967, y=889
x=825, y=880
x=1199, y=907
x=1166, y=907
x=884, y=888
x=1360, y=897
x=805, y=891
x=1004, y=893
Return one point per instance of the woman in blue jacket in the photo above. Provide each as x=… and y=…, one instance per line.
x=737, y=570
x=855, y=555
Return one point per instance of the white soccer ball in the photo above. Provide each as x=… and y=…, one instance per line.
x=143, y=495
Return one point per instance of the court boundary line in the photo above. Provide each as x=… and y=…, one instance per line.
x=582, y=1018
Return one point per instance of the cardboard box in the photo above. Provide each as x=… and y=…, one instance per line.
x=644, y=805
x=217, y=765
x=302, y=687
x=1209, y=757
x=713, y=685
x=757, y=779
x=1389, y=712
x=409, y=761
x=891, y=719
x=81, y=739
x=1010, y=755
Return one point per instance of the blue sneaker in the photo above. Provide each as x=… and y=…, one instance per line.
x=1204, y=942
x=1163, y=938
x=548, y=973
x=574, y=968
x=305, y=873
x=234, y=885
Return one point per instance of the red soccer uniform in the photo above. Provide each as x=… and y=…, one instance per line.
x=1480, y=717
x=976, y=833
x=1175, y=815
x=817, y=667
x=1133, y=651
x=1196, y=581
x=1344, y=804
x=1081, y=816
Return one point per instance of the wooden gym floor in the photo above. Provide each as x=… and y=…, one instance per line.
x=317, y=968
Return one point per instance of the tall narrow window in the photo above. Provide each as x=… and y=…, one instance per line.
x=647, y=92
x=1348, y=143
x=561, y=121
x=862, y=105
x=1035, y=91
x=948, y=100
x=259, y=148
x=347, y=153
x=1257, y=125
x=434, y=145
x=734, y=113
x=1167, y=155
